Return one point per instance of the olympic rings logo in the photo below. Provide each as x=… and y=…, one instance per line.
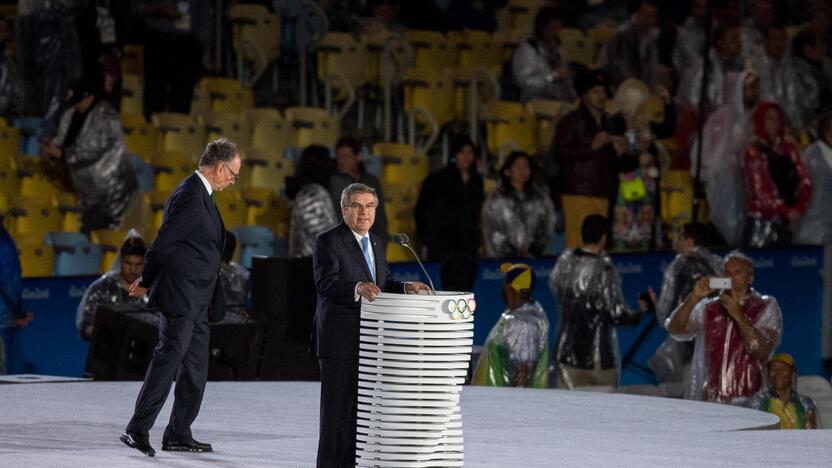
x=460, y=309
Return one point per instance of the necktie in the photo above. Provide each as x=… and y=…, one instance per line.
x=365, y=247
x=213, y=198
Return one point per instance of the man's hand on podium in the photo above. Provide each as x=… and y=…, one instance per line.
x=368, y=291
x=415, y=287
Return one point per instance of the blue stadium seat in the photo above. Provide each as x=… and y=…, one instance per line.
x=74, y=254
x=145, y=174
x=254, y=240
x=31, y=129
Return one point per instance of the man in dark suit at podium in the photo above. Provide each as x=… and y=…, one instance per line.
x=348, y=263
x=182, y=272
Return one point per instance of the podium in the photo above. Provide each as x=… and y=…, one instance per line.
x=412, y=361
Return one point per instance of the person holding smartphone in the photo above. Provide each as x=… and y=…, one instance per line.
x=734, y=328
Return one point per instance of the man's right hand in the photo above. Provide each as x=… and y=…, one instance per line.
x=701, y=290
x=136, y=290
x=368, y=291
x=600, y=139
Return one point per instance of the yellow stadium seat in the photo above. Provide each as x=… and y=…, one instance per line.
x=180, y=132
x=577, y=46
x=132, y=94
x=273, y=136
x=67, y=204
x=259, y=115
x=36, y=259
x=265, y=208
x=39, y=186
x=313, y=126
x=402, y=165
x=227, y=125
x=676, y=198
x=266, y=170
x=171, y=168
x=342, y=55
x=509, y=126
x=601, y=33
x=110, y=241
x=479, y=49
x=547, y=113
x=215, y=94
x=430, y=90
x=132, y=60
x=398, y=254
x=33, y=216
x=432, y=49
x=9, y=142
x=9, y=180
x=256, y=34
x=155, y=202
x=140, y=137
x=233, y=208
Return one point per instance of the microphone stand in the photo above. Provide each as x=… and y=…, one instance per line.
x=407, y=244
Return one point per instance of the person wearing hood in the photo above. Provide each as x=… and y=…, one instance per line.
x=725, y=135
x=538, y=65
x=518, y=217
x=90, y=141
x=778, y=188
x=312, y=208
x=450, y=205
x=816, y=227
x=112, y=287
x=515, y=353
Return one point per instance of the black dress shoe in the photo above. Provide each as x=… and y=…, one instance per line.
x=138, y=442
x=186, y=446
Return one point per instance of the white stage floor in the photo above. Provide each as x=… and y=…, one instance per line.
x=274, y=424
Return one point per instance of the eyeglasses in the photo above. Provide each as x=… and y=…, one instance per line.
x=233, y=174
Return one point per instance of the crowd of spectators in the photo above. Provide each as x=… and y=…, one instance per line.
x=762, y=92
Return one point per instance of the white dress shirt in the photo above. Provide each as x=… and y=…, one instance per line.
x=358, y=238
x=205, y=182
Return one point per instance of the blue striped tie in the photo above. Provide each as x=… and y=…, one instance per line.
x=365, y=247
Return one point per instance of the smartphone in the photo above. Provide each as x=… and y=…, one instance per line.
x=719, y=283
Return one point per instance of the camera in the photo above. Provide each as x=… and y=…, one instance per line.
x=719, y=283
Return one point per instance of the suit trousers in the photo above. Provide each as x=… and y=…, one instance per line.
x=339, y=408
x=182, y=352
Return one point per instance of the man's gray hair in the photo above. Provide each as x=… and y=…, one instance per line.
x=218, y=152
x=738, y=256
x=353, y=189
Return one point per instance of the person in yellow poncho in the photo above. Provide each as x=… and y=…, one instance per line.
x=516, y=351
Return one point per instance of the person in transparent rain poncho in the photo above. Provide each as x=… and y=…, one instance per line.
x=312, y=208
x=111, y=288
x=234, y=278
x=518, y=217
x=816, y=226
x=734, y=334
x=516, y=351
x=671, y=362
x=587, y=288
x=726, y=133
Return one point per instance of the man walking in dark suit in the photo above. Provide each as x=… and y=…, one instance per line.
x=182, y=272
x=348, y=264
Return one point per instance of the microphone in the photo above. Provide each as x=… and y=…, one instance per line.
x=403, y=240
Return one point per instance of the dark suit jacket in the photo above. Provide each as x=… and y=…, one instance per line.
x=338, y=265
x=182, y=268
